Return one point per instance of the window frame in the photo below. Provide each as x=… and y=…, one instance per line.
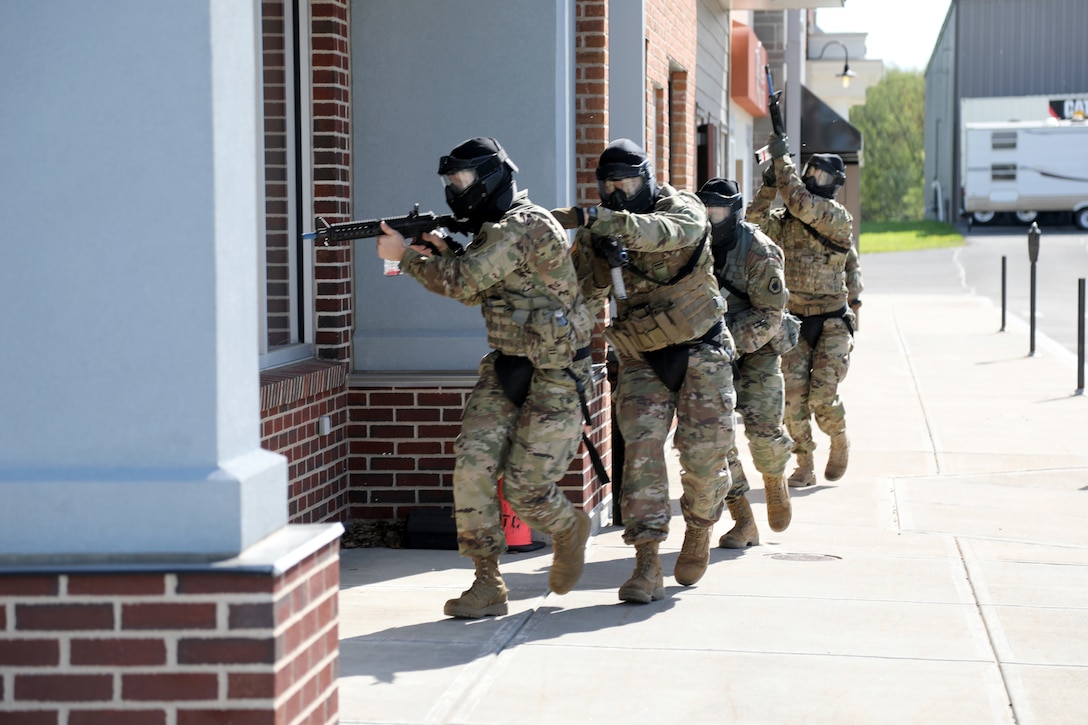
x=299, y=200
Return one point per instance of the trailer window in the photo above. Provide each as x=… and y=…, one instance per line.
x=1003, y=172
x=1003, y=140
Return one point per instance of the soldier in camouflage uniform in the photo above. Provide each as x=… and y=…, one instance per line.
x=749, y=268
x=816, y=234
x=523, y=418
x=674, y=357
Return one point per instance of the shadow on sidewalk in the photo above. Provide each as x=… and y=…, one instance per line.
x=450, y=642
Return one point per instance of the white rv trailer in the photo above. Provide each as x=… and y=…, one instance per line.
x=1026, y=167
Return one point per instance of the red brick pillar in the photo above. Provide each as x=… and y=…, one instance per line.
x=252, y=640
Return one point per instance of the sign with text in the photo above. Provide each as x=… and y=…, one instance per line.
x=1064, y=108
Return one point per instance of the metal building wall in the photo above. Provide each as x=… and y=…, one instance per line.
x=1022, y=47
x=995, y=49
x=940, y=126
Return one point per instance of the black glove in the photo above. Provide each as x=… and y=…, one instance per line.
x=572, y=217
x=605, y=246
x=779, y=146
x=769, y=176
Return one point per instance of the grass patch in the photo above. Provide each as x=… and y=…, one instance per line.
x=907, y=236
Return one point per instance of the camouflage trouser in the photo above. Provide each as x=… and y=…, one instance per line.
x=812, y=384
x=704, y=431
x=760, y=401
x=531, y=447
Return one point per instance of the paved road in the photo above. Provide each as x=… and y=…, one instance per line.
x=976, y=268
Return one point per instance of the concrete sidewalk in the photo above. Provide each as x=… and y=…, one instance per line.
x=944, y=579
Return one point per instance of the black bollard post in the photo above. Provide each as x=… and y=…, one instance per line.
x=1033, y=256
x=1004, y=288
x=1080, y=336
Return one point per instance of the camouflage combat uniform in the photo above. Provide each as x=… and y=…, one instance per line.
x=815, y=233
x=660, y=243
x=854, y=284
x=519, y=270
x=752, y=277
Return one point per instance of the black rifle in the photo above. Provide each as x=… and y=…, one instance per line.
x=612, y=250
x=774, y=110
x=411, y=226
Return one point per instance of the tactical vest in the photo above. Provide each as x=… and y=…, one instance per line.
x=537, y=328
x=814, y=265
x=667, y=314
x=733, y=275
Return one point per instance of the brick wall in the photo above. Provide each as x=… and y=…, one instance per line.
x=591, y=94
x=171, y=647
x=331, y=62
x=294, y=399
x=401, y=450
x=277, y=262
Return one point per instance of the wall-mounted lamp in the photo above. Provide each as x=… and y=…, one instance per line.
x=846, y=74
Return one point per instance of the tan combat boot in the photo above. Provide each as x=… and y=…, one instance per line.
x=694, y=555
x=647, y=583
x=570, y=554
x=838, y=458
x=487, y=595
x=805, y=473
x=744, y=533
x=779, y=508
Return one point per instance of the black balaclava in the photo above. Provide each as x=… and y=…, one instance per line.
x=491, y=195
x=623, y=159
x=723, y=193
x=833, y=165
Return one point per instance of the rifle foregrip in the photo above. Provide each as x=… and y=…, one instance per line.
x=617, y=283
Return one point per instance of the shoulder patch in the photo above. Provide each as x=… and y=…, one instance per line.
x=775, y=286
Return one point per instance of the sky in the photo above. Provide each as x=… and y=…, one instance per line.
x=900, y=34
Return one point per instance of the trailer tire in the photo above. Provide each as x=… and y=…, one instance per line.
x=1026, y=217
x=1080, y=218
x=983, y=218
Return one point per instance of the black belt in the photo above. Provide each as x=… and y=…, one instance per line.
x=813, y=325
x=713, y=336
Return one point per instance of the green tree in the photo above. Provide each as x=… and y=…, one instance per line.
x=891, y=123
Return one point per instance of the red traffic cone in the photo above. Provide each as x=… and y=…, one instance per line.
x=519, y=537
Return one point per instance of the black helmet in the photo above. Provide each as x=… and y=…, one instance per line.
x=624, y=159
x=486, y=189
x=722, y=194
x=824, y=174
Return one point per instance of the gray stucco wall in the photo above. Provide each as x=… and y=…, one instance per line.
x=627, y=70
x=425, y=76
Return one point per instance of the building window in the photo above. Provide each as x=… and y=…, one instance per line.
x=1003, y=140
x=287, y=260
x=1003, y=172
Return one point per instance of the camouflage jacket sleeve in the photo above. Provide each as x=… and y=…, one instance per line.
x=593, y=273
x=678, y=221
x=759, y=209
x=496, y=252
x=754, y=326
x=854, y=285
x=826, y=216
